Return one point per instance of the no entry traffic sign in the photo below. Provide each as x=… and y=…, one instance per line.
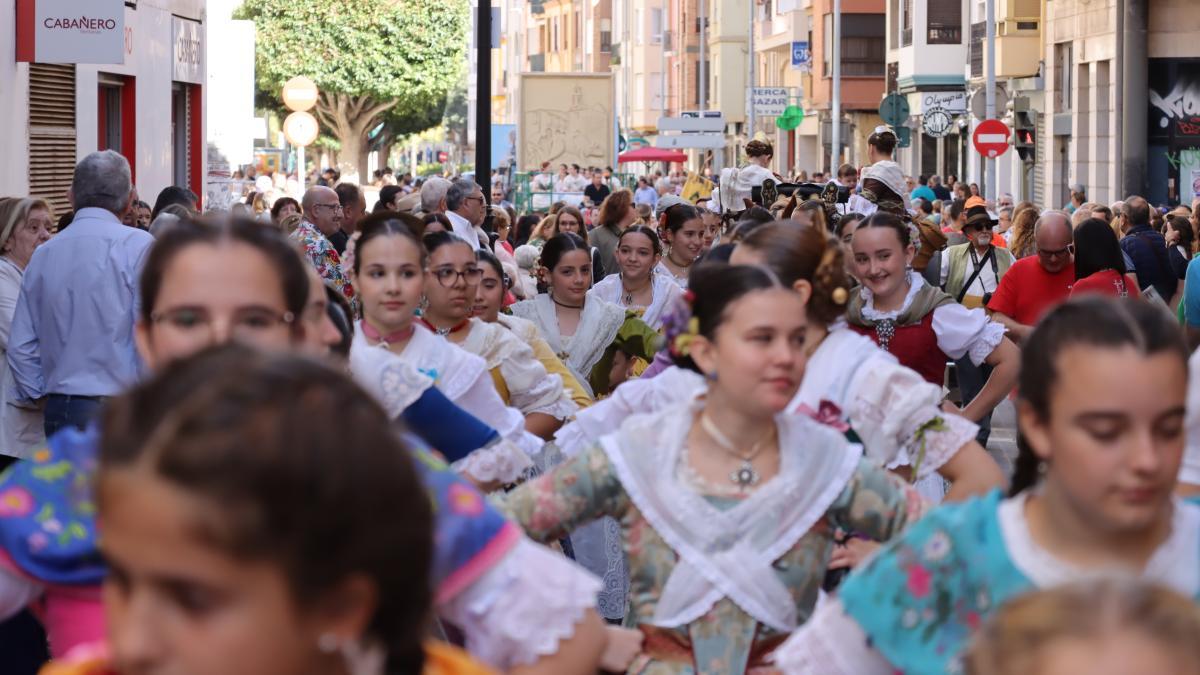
x=991, y=138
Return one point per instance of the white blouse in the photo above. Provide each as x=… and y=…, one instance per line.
x=1189, y=470
x=832, y=643
x=665, y=291
x=661, y=269
x=960, y=331
x=531, y=388
x=464, y=379
x=598, y=326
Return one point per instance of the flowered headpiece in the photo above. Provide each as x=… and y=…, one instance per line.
x=680, y=327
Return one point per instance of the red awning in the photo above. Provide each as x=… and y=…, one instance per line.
x=652, y=155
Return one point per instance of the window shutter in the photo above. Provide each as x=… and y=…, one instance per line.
x=51, y=133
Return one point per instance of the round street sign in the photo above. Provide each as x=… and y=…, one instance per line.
x=894, y=109
x=299, y=94
x=791, y=118
x=300, y=128
x=991, y=138
x=936, y=123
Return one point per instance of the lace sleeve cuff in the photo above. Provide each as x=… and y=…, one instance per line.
x=966, y=332
x=500, y=462
x=986, y=342
x=943, y=436
x=521, y=610
x=830, y=643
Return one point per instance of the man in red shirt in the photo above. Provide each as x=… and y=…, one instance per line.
x=1035, y=284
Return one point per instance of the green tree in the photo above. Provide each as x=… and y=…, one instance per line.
x=371, y=60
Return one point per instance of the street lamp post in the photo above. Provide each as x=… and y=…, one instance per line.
x=835, y=151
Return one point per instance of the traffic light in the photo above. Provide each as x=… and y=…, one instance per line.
x=1024, y=129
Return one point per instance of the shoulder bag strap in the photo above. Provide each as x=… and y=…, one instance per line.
x=962, y=293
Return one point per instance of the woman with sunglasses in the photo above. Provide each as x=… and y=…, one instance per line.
x=390, y=270
x=518, y=376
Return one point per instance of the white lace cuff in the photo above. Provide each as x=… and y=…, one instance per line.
x=830, y=643
x=501, y=461
x=940, y=446
x=521, y=609
x=989, y=338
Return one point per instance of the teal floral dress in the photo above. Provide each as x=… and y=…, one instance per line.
x=750, y=567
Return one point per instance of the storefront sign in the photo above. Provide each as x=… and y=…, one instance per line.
x=187, y=50
x=953, y=102
x=69, y=31
x=772, y=101
x=801, y=56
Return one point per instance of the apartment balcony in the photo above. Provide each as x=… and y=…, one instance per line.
x=1018, y=41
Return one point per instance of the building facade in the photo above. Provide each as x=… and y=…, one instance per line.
x=149, y=107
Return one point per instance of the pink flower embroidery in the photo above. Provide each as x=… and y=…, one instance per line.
x=828, y=414
x=464, y=501
x=919, y=579
x=15, y=502
x=38, y=541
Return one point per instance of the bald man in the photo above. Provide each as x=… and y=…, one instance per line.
x=322, y=218
x=1036, y=284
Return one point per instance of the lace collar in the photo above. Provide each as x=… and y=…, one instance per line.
x=916, y=281
x=729, y=553
x=1176, y=563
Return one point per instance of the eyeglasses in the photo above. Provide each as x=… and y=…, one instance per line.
x=1062, y=252
x=478, y=198
x=333, y=207
x=246, y=323
x=448, y=276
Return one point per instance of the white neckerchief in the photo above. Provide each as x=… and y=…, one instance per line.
x=598, y=326
x=453, y=369
x=661, y=270
x=664, y=290
x=1176, y=562
x=393, y=382
x=729, y=553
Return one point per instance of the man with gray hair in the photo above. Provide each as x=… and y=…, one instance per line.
x=433, y=195
x=72, y=340
x=1036, y=284
x=466, y=208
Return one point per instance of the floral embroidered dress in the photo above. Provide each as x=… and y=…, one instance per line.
x=323, y=256
x=604, y=328
x=913, y=607
x=717, y=581
x=665, y=291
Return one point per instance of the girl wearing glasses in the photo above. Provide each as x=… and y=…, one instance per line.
x=1101, y=416
x=518, y=376
x=595, y=338
x=391, y=263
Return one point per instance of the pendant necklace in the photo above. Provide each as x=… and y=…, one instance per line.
x=627, y=299
x=745, y=476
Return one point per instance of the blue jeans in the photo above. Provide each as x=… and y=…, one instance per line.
x=70, y=411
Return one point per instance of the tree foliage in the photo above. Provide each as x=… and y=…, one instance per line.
x=372, y=60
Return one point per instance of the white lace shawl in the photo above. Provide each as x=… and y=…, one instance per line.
x=463, y=378
x=729, y=553
x=887, y=403
x=598, y=327
x=532, y=389
x=661, y=270
x=665, y=291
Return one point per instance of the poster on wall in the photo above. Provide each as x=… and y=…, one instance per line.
x=566, y=119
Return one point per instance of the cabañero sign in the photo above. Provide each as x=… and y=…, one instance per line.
x=69, y=31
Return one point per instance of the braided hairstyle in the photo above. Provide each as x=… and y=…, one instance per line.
x=798, y=253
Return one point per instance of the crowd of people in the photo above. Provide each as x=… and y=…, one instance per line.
x=746, y=433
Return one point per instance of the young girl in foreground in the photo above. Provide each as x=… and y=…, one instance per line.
x=727, y=506
x=1101, y=415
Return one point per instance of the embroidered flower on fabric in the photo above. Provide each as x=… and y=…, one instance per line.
x=919, y=581
x=827, y=413
x=464, y=501
x=15, y=502
x=910, y=618
x=42, y=456
x=37, y=541
x=52, y=526
x=937, y=548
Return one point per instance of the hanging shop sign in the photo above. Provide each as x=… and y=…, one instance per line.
x=187, y=39
x=953, y=102
x=937, y=123
x=70, y=31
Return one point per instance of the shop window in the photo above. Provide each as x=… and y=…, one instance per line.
x=945, y=22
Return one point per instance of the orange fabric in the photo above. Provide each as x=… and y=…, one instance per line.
x=443, y=659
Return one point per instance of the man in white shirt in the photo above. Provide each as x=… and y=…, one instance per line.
x=466, y=208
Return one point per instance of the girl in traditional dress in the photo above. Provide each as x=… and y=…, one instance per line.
x=391, y=265
x=206, y=284
x=640, y=285
x=489, y=300
x=683, y=233
x=889, y=408
x=518, y=376
x=593, y=337
x=919, y=324
x=727, y=505
x=1101, y=417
